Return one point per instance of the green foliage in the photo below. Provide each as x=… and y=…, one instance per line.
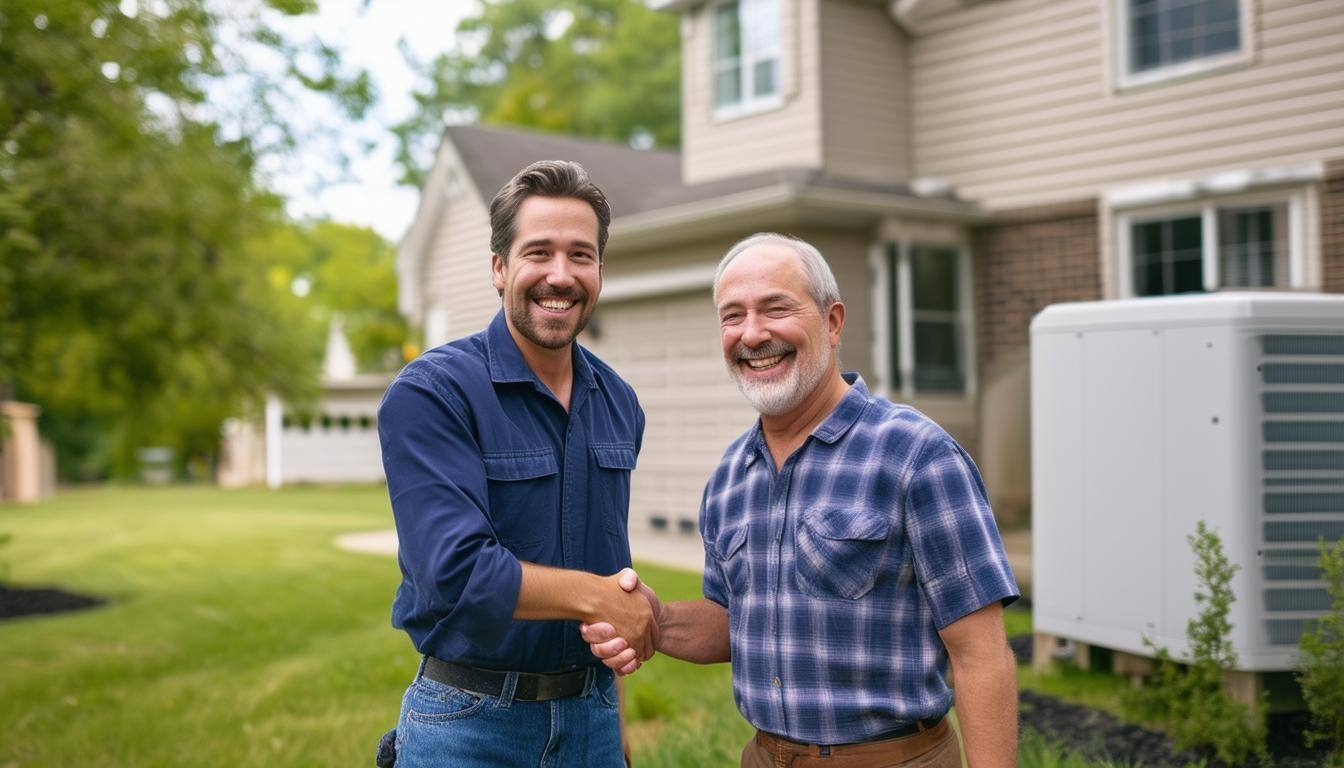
x=1035, y=751
x=346, y=271
x=1189, y=700
x=1322, y=659
x=134, y=312
x=600, y=68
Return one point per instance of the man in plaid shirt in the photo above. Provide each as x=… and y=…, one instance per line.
x=851, y=555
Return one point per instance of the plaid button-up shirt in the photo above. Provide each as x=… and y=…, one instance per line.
x=839, y=569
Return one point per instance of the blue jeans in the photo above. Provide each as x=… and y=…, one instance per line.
x=445, y=726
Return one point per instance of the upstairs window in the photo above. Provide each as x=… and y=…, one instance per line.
x=745, y=55
x=1172, y=38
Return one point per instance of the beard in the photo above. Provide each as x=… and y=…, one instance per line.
x=783, y=393
x=548, y=332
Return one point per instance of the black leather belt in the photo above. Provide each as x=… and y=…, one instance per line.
x=531, y=686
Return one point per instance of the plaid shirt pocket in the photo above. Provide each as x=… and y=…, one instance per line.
x=840, y=551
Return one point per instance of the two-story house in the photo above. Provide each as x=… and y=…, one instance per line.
x=961, y=164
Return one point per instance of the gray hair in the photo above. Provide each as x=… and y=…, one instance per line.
x=821, y=283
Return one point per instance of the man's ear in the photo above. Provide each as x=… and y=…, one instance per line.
x=835, y=322
x=497, y=267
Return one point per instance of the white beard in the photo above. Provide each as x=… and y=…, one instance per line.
x=779, y=396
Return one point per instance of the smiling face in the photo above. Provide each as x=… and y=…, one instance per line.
x=552, y=277
x=778, y=345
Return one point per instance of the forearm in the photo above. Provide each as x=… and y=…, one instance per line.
x=557, y=593
x=695, y=630
x=985, y=695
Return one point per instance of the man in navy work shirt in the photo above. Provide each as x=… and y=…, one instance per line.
x=850, y=551
x=508, y=456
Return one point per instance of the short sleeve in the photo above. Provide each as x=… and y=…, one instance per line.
x=959, y=556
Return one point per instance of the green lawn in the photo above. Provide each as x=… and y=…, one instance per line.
x=238, y=635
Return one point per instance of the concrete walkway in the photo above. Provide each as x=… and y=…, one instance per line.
x=671, y=550
x=686, y=552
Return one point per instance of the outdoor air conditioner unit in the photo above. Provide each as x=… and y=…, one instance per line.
x=1149, y=415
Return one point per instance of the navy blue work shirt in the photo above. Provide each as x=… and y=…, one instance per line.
x=485, y=468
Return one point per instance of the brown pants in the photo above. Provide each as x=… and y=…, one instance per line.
x=934, y=748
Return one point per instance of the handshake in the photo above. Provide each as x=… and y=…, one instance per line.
x=624, y=630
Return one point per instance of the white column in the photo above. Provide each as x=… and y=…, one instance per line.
x=275, y=426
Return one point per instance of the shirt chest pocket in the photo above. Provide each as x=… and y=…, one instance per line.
x=524, y=492
x=840, y=551
x=612, y=463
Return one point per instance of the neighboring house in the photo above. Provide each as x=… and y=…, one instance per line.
x=961, y=164
x=336, y=442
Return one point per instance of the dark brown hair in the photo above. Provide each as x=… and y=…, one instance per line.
x=544, y=178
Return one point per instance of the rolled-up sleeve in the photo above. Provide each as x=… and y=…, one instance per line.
x=464, y=584
x=959, y=556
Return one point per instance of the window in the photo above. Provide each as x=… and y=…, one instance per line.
x=1159, y=39
x=745, y=55
x=1211, y=247
x=926, y=319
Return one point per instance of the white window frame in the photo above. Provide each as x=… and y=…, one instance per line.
x=1207, y=209
x=748, y=103
x=1120, y=43
x=904, y=323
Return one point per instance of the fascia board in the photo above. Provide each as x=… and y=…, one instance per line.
x=635, y=229
x=420, y=234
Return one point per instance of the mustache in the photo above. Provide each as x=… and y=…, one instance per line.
x=568, y=294
x=768, y=349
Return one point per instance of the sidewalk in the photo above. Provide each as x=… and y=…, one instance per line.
x=667, y=549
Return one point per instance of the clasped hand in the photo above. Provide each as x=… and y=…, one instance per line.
x=627, y=636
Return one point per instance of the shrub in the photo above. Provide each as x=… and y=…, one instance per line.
x=1322, y=660
x=1189, y=700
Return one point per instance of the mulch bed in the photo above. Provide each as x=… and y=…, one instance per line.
x=41, y=601
x=1100, y=735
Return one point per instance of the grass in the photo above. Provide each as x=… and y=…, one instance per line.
x=238, y=635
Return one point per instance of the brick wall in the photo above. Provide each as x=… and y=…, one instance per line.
x=1332, y=227
x=1030, y=258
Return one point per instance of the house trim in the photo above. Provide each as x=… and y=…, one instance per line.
x=660, y=282
x=447, y=178
x=637, y=230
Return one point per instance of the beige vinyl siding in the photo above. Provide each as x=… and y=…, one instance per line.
x=667, y=348
x=785, y=136
x=865, y=130
x=1014, y=102
x=457, y=270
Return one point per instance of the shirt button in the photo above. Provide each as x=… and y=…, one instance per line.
x=775, y=682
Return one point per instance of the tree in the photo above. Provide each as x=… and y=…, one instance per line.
x=599, y=68
x=133, y=312
x=1322, y=659
x=345, y=270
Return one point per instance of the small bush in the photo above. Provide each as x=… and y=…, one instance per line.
x=1189, y=700
x=1322, y=660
